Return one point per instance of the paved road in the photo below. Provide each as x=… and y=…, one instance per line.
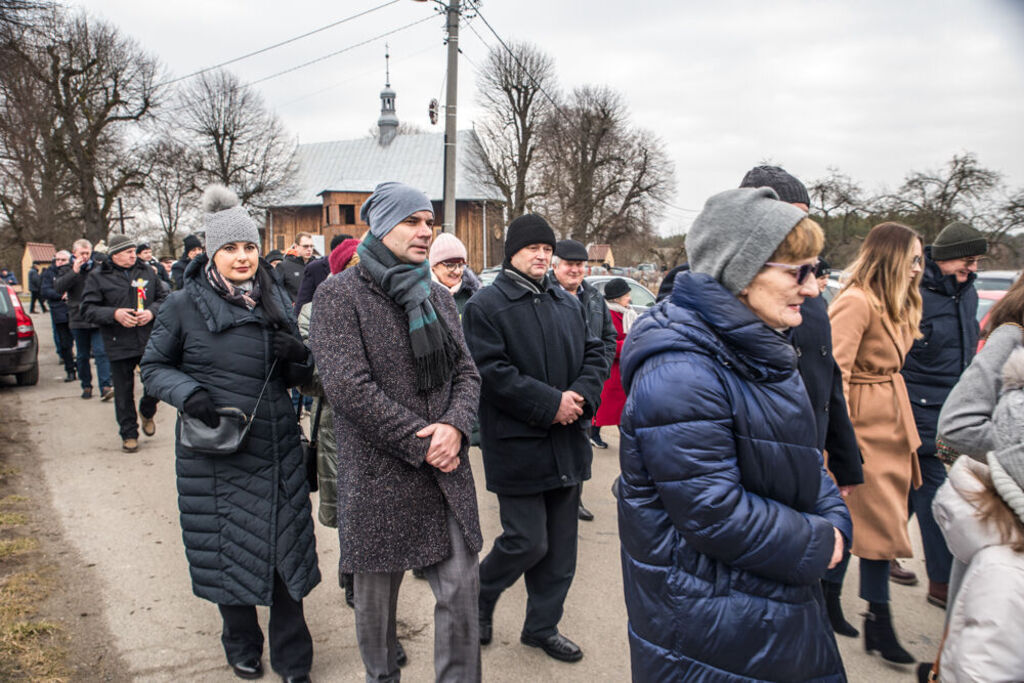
x=119, y=511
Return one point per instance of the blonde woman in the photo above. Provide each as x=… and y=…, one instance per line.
x=875, y=320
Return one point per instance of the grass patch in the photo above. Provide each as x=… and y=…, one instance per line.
x=16, y=546
x=12, y=499
x=29, y=649
x=12, y=519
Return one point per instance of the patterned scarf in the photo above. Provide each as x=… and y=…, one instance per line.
x=433, y=347
x=233, y=294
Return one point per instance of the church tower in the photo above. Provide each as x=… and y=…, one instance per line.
x=388, y=121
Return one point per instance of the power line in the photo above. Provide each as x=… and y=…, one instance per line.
x=282, y=43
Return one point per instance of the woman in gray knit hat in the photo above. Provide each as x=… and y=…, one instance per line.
x=227, y=339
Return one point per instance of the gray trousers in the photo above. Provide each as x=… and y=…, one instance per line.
x=455, y=582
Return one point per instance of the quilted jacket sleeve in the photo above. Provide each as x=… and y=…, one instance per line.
x=687, y=446
x=162, y=359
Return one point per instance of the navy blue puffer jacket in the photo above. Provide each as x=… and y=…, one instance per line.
x=726, y=513
x=246, y=515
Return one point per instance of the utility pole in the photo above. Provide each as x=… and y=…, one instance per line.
x=450, y=131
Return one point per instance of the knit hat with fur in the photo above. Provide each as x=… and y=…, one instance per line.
x=225, y=221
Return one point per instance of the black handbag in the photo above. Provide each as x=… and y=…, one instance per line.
x=309, y=446
x=228, y=437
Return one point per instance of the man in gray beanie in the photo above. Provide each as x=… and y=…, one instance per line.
x=396, y=371
x=542, y=371
x=122, y=297
x=933, y=366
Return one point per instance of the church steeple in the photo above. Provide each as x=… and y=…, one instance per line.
x=388, y=121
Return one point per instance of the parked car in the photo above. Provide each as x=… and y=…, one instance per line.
x=487, y=275
x=995, y=279
x=19, y=347
x=642, y=299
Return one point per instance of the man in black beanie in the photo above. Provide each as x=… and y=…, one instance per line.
x=542, y=372
x=933, y=366
x=193, y=247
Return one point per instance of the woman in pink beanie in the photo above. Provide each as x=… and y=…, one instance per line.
x=448, y=266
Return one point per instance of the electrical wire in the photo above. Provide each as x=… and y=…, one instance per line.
x=282, y=43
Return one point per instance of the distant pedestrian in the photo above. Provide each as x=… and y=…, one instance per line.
x=192, y=249
x=59, y=313
x=70, y=282
x=875, y=319
x=7, y=277
x=294, y=264
x=144, y=252
x=315, y=272
x=35, y=284
x=122, y=297
x=245, y=518
x=397, y=373
x=542, y=372
x=613, y=397
x=727, y=517
x=949, y=326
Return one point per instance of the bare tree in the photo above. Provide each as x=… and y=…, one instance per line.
x=836, y=192
x=605, y=180
x=511, y=93
x=170, y=194
x=240, y=142
x=961, y=191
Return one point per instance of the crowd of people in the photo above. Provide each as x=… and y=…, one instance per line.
x=764, y=436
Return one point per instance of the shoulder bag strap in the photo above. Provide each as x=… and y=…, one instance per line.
x=259, y=398
x=316, y=420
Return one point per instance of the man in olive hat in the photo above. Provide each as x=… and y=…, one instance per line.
x=950, y=327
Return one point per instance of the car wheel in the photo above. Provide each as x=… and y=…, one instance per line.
x=28, y=378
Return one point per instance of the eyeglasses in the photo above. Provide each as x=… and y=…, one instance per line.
x=916, y=261
x=972, y=260
x=801, y=272
x=453, y=266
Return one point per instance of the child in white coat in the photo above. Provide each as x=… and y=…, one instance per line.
x=981, y=512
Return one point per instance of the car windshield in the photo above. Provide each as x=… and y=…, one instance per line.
x=993, y=282
x=983, y=307
x=640, y=296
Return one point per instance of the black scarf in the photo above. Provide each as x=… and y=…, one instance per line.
x=433, y=348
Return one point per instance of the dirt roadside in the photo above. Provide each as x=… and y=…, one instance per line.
x=51, y=625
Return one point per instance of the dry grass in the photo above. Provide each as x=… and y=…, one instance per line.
x=12, y=519
x=30, y=649
x=13, y=547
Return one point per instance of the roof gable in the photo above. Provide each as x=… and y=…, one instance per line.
x=40, y=251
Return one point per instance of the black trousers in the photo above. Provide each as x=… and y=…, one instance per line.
x=34, y=299
x=291, y=646
x=122, y=372
x=538, y=542
x=65, y=346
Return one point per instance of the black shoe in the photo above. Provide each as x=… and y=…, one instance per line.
x=924, y=669
x=596, y=441
x=417, y=573
x=486, y=621
x=556, y=646
x=249, y=669
x=304, y=678
x=898, y=574
x=879, y=635
x=400, y=656
x=71, y=376
x=840, y=625
x=585, y=514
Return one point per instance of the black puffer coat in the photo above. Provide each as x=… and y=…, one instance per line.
x=936, y=360
x=247, y=515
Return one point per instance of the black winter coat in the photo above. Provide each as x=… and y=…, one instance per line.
x=58, y=307
x=73, y=284
x=316, y=272
x=289, y=272
x=108, y=288
x=529, y=348
x=246, y=515
x=178, y=272
x=599, y=319
x=824, y=383
x=936, y=360
x=34, y=281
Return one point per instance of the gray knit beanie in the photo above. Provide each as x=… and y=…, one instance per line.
x=958, y=240
x=225, y=221
x=390, y=204
x=1006, y=461
x=118, y=243
x=736, y=232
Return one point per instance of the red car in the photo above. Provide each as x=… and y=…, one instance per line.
x=986, y=300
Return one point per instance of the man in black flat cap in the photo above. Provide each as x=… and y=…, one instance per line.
x=568, y=269
x=542, y=374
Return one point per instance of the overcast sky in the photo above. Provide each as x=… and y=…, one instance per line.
x=874, y=88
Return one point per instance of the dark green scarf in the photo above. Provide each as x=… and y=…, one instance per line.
x=433, y=348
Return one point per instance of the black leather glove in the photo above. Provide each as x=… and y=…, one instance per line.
x=200, y=406
x=289, y=348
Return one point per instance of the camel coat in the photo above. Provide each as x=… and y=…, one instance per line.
x=870, y=351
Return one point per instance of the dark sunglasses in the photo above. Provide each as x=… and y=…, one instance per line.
x=799, y=272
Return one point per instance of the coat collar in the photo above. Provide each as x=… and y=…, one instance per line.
x=513, y=291
x=218, y=314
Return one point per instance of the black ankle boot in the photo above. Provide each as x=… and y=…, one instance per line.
x=879, y=635
x=835, y=609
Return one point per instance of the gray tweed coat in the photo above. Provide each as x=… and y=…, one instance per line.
x=391, y=504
